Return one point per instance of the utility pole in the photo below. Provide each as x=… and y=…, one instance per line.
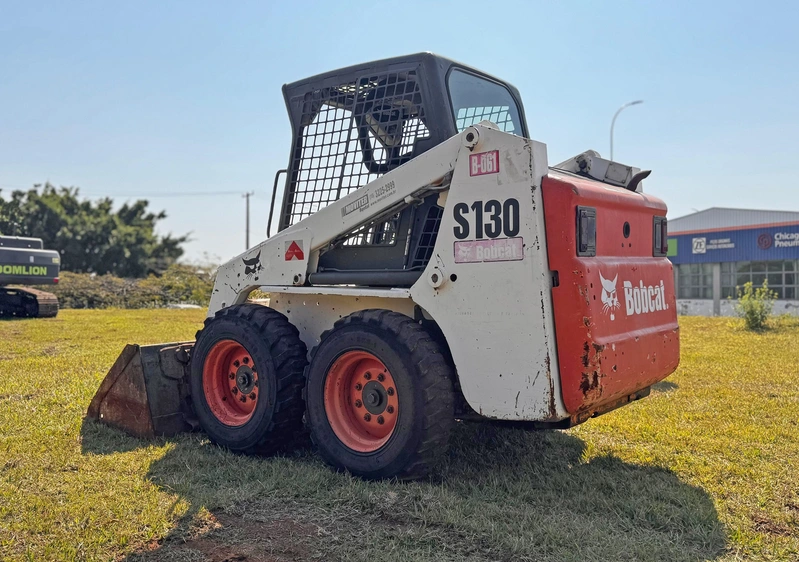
x=247, y=220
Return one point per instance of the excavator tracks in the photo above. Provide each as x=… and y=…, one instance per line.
x=24, y=302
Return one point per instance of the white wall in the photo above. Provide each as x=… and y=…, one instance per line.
x=704, y=307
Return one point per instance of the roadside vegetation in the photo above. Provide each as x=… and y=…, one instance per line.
x=704, y=469
x=111, y=255
x=755, y=305
x=179, y=284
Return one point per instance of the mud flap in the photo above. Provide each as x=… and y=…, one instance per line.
x=146, y=392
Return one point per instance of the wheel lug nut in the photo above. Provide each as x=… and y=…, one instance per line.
x=358, y=386
x=236, y=363
x=246, y=360
x=235, y=390
x=390, y=391
x=232, y=376
x=368, y=375
x=243, y=398
x=367, y=417
x=252, y=396
x=380, y=420
x=358, y=404
x=390, y=409
x=381, y=377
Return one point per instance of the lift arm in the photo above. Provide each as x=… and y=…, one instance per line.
x=285, y=259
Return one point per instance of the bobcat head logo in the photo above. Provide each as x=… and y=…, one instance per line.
x=610, y=300
x=252, y=265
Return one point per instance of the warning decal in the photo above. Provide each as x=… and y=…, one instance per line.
x=294, y=250
x=497, y=249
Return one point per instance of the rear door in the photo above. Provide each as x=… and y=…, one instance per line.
x=614, y=302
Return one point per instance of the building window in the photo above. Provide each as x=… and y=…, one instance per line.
x=695, y=281
x=782, y=277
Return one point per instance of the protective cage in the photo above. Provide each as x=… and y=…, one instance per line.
x=353, y=125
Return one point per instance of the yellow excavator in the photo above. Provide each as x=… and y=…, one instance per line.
x=24, y=261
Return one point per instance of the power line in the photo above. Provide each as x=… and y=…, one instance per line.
x=169, y=194
x=142, y=195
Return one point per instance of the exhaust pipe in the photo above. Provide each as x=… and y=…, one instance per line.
x=146, y=392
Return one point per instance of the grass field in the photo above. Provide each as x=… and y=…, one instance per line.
x=707, y=468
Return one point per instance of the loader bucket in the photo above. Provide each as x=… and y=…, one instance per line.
x=146, y=392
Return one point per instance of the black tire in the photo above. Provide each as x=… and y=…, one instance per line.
x=424, y=388
x=280, y=357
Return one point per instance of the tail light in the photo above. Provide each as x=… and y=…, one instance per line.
x=660, y=236
x=586, y=231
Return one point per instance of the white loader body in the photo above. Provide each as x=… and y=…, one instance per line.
x=489, y=290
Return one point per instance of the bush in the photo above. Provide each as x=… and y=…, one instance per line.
x=755, y=305
x=179, y=284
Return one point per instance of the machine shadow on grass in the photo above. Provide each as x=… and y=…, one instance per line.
x=501, y=494
x=665, y=386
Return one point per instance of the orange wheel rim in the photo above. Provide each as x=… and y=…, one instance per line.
x=361, y=401
x=230, y=383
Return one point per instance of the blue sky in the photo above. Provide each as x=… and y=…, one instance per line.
x=153, y=99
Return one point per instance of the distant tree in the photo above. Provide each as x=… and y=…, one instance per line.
x=91, y=237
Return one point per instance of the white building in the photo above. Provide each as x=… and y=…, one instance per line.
x=717, y=250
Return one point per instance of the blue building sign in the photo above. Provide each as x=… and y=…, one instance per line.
x=766, y=243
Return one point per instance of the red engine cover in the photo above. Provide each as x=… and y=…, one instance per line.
x=615, y=313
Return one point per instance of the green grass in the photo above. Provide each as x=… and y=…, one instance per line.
x=705, y=468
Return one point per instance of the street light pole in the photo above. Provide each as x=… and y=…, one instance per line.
x=247, y=220
x=612, y=123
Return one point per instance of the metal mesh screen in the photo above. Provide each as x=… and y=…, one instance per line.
x=352, y=134
x=427, y=240
x=383, y=233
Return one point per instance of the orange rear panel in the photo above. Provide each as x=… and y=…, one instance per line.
x=615, y=313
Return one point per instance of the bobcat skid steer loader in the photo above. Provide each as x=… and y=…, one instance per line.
x=429, y=265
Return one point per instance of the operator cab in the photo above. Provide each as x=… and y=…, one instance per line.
x=352, y=125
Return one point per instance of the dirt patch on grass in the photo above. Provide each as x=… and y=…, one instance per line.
x=232, y=538
x=764, y=524
x=49, y=351
x=270, y=530
x=17, y=397
x=256, y=541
